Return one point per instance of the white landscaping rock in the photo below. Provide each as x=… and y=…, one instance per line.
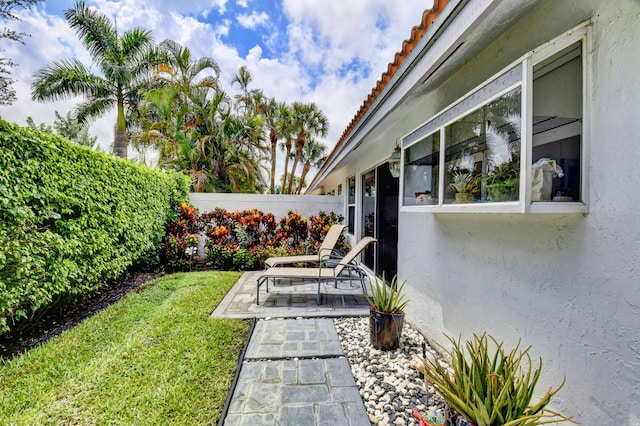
x=389, y=386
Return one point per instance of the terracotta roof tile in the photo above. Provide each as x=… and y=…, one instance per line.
x=428, y=16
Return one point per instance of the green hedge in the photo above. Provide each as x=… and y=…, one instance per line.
x=71, y=218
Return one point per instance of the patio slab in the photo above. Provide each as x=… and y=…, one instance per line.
x=290, y=300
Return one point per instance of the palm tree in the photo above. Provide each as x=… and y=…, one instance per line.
x=159, y=121
x=124, y=61
x=211, y=136
x=243, y=78
x=309, y=121
x=313, y=154
x=183, y=71
x=241, y=142
x=273, y=122
x=176, y=105
x=287, y=132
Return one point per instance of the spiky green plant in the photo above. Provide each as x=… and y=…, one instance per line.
x=387, y=298
x=491, y=389
x=463, y=182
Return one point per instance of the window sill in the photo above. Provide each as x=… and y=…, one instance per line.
x=558, y=207
x=506, y=207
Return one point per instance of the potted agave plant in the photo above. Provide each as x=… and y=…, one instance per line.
x=465, y=185
x=463, y=181
x=386, y=313
x=485, y=387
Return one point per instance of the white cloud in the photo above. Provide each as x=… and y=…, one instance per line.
x=253, y=20
x=369, y=31
x=223, y=28
x=187, y=31
x=325, y=39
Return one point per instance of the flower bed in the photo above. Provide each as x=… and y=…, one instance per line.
x=240, y=240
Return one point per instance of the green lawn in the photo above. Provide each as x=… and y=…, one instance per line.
x=155, y=357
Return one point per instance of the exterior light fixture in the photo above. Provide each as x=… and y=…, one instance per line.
x=394, y=162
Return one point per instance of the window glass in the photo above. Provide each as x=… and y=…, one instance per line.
x=369, y=213
x=480, y=135
x=421, y=170
x=482, y=153
x=352, y=190
x=351, y=206
x=557, y=127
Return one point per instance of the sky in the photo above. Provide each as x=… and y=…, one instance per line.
x=330, y=52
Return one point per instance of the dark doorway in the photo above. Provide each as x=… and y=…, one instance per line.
x=387, y=188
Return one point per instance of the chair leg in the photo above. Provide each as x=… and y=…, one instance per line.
x=259, y=283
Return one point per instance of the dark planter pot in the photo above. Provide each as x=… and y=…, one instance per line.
x=385, y=329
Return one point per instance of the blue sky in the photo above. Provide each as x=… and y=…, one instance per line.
x=330, y=52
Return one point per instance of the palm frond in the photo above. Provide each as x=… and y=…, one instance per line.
x=93, y=108
x=66, y=79
x=94, y=30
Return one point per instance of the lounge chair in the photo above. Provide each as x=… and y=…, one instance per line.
x=326, y=248
x=344, y=269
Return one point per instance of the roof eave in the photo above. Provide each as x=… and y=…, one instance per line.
x=434, y=21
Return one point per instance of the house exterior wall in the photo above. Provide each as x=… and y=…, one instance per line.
x=567, y=284
x=279, y=205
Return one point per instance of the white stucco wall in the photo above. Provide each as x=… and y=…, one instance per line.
x=279, y=205
x=566, y=284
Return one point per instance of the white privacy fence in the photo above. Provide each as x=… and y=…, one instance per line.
x=279, y=205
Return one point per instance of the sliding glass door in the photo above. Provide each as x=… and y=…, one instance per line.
x=379, y=195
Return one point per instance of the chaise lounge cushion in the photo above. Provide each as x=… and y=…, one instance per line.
x=326, y=248
x=346, y=269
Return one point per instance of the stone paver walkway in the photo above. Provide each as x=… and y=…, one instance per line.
x=294, y=374
x=302, y=338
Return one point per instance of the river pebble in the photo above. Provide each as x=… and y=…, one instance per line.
x=390, y=387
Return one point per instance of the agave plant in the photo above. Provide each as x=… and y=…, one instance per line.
x=464, y=183
x=387, y=298
x=491, y=389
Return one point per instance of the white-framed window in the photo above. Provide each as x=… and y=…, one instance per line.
x=368, y=214
x=516, y=143
x=351, y=205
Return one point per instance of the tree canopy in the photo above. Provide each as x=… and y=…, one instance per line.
x=171, y=102
x=124, y=61
x=7, y=92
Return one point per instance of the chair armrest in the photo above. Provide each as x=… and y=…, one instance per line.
x=323, y=256
x=353, y=267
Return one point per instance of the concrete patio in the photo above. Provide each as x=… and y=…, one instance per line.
x=286, y=300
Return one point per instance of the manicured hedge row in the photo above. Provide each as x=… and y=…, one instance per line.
x=71, y=218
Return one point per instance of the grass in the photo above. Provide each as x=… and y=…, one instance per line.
x=155, y=357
